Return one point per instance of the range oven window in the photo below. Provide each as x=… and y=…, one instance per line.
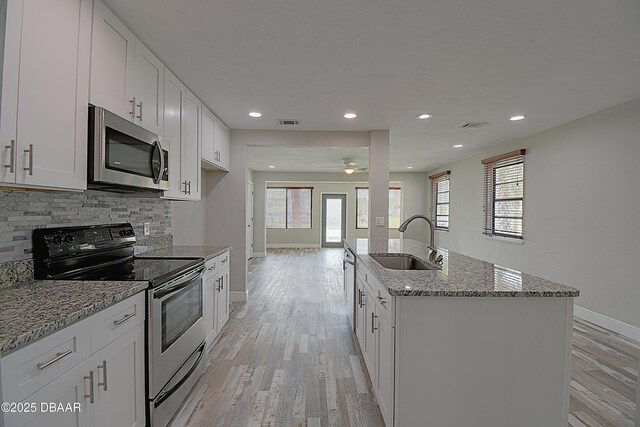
x=180, y=312
x=127, y=154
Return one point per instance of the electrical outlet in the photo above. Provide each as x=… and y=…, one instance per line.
x=146, y=229
x=379, y=221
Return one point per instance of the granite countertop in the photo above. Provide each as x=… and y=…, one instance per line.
x=38, y=308
x=459, y=276
x=206, y=252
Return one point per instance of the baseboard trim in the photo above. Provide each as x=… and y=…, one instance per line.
x=258, y=254
x=624, y=329
x=238, y=296
x=293, y=245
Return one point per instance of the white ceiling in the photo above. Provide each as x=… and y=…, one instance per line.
x=464, y=60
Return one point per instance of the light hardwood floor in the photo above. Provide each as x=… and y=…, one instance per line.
x=288, y=358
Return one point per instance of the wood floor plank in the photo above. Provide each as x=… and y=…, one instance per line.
x=287, y=357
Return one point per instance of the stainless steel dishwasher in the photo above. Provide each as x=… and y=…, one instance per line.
x=349, y=267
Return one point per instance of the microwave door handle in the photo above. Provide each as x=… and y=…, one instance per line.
x=157, y=148
x=162, y=164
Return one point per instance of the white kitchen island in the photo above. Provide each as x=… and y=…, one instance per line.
x=468, y=344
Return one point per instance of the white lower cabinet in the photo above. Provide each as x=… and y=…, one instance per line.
x=376, y=336
x=119, y=381
x=107, y=388
x=216, y=296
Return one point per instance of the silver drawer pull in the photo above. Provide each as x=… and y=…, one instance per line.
x=59, y=356
x=373, y=321
x=382, y=300
x=104, y=373
x=124, y=318
x=225, y=260
x=90, y=395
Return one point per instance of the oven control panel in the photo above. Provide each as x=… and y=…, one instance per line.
x=56, y=242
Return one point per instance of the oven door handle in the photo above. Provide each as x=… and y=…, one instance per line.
x=179, y=283
x=165, y=394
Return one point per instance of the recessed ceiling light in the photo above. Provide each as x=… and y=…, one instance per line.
x=457, y=146
x=272, y=167
x=255, y=114
x=424, y=116
x=409, y=167
x=516, y=118
x=350, y=116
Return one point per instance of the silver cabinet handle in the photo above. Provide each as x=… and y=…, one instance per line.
x=90, y=395
x=59, y=356
x=360, y=298
x=382, y=300
x=132, y=101
x=225, y=260
x=189, y=187
x=124, y=318
x=219, y=284
x=185, y=187
x=11, y=147
x=104, y=373
x=29, y=152
x=373, y=320
x=140, y=107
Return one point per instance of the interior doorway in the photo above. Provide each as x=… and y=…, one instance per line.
x=334, y=220
x=249, y=220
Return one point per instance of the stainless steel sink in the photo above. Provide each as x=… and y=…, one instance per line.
x=402, y=262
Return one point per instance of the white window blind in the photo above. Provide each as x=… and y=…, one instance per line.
x=504, y=194
x=440, y=200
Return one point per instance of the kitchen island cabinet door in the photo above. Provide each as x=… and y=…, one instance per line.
x=45, y=93
x=112, y=63
x=120, y=381
x=385, y=368
x=361, y=316
x=73, y=387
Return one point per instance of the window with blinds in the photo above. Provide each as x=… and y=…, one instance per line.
x=440, y=200
x=504, y=194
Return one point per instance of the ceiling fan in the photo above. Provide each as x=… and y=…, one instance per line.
x=350, y=167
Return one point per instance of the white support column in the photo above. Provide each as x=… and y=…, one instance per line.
x=379, y=184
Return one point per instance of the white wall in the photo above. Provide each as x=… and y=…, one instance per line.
x=189, y=220
x=414, y=200
x=581, y=210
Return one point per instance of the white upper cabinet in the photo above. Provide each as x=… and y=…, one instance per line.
x=222, y=144
x=45, y=85
x=126, y=78
x=208, y=129
x=112, y=63
x=190, y=161
x=148, y=90
x=215, y=142
x=181, y=128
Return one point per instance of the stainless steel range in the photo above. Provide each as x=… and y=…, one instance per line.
x=175, y=326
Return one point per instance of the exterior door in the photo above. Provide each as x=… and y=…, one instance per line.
x=334, y=220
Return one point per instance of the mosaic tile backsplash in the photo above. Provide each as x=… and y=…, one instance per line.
x=22, y=211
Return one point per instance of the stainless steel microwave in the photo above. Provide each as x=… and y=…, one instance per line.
x=123, y=156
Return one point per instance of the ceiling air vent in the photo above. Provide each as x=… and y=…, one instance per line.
x=288, y=122
x=474, y=124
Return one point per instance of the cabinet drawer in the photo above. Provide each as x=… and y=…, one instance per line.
x=114, y=321
x=216, y=264
x=29, y=369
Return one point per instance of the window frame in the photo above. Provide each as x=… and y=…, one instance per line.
x=491, y=165
x=286, y=208
x=435, y=179
x=367, y=188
